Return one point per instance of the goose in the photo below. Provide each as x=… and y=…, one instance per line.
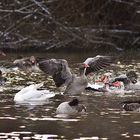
x=124, y=82
x=131, y=106
x=71, y=107
x=129, y=80
x=27, y=64
x=31, y=93
x=62, y=75
x=100, y=83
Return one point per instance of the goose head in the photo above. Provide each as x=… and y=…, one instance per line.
x=32, y=60
x=82, y=68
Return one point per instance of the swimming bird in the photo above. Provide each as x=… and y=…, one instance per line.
x=27, y=64
x=62, y=75
x=129, y=80
x=31, y=93
x=131, y=106
x=71, y=107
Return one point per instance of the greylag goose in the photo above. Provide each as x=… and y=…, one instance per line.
x=122, y=82
x=25, y=64
x=71, y=107
x=29, y=64
x=61, y=73
x=129, y=80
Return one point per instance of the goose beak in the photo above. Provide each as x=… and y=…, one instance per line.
x=3, y=54
x=86, y=65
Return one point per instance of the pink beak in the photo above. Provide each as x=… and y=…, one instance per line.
x=86, y=65
x=3, y=54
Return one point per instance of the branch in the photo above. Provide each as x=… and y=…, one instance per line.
x=60, y=44
x=14, y=26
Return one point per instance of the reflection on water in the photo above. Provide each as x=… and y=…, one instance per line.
x=104, y=119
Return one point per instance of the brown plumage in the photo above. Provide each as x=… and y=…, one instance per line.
x=97, y=63
x=61, y=73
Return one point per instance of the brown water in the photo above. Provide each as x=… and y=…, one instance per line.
x=104, y=119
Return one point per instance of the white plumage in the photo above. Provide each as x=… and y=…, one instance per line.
x=31, y=93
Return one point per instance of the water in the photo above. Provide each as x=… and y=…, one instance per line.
x=104, y=119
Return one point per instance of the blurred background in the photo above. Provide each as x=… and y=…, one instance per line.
x=49, y=25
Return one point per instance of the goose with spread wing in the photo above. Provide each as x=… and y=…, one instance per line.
x=61, y=73
x=26, y=64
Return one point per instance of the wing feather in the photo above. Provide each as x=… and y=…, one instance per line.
x=97, y=63
x=58, y=68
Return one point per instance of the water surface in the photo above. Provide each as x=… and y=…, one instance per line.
x=104, y=119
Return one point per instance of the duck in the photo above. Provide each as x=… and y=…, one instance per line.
x=131, y=106
x=62, y=74
x=71, y=107
x=31, y=93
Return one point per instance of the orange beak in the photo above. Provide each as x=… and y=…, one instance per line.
x=86, y=65
x=3, y=54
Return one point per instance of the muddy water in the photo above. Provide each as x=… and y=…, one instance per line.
x=104, y=119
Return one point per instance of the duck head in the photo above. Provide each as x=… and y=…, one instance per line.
x=78, y=107
x=74, y=102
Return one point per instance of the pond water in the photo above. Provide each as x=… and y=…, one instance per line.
x=104, y=119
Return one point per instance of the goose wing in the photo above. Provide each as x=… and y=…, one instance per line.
x=97, y=63
x=7, y=65
x=58, y=68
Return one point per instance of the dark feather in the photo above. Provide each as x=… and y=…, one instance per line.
x=131, y=106
x=97, y=63
x=58, y=68
x=58, y=79
x=74, y=102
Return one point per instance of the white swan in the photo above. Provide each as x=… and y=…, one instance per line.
x=30, y=93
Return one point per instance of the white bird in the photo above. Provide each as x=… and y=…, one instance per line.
x=31, y=93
